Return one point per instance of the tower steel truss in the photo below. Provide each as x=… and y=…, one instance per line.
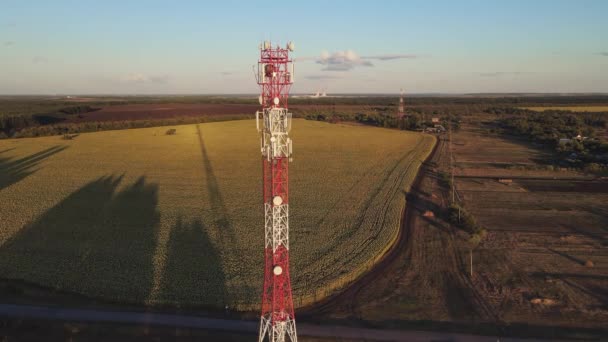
x=275, y=76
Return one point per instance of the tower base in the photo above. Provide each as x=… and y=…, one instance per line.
x=277, y=331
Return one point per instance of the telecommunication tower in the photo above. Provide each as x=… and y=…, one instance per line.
x=275, y=75
x=401, y=112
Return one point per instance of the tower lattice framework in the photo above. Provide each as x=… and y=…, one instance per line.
x=275, y=77
x=401, y=112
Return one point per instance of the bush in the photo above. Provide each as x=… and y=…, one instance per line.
x=476, y=237
x=334, y=120
x=68, y=136
x=445, y=179
x=593, y=168
x=171, y=131
x=464, y=220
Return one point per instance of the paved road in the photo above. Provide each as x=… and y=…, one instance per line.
x=194, y=322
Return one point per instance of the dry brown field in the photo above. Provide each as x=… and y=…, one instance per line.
x=545, y=257
x=541, y=270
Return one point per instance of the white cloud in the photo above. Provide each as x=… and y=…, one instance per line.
x=39, y=59
x=342, y=60
x=390, y=57
x=348, y=59
x=504, y=73
x=322, y=77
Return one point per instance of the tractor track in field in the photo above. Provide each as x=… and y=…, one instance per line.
x=402, y=245
x=393, y=180
x=347, y=298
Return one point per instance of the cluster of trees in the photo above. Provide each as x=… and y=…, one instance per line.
x=592, y=119
x=546, y=128
x=12, y=125
x=73, y=110
x=461, y=218
x=9, y=125
x=549, y=127
x=457, y=213
x=380, y=119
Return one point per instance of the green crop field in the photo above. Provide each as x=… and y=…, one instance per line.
x=138, y=216
x=571, y=108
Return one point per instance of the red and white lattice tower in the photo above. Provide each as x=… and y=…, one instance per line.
x=401, y=107
x=275, y=76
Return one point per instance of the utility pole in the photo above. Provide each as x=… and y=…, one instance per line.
x=471, y=254
x=453, y=185
x=451, y=156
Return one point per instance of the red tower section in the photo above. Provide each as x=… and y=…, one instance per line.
x=275, y=76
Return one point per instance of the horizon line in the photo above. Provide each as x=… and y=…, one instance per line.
x=307, y=94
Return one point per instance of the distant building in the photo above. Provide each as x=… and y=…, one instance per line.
x=435, y=129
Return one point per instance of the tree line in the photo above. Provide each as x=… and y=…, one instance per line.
x=96, y=126
x=413, y=121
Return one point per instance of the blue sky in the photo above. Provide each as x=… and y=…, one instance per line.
x=139, y=47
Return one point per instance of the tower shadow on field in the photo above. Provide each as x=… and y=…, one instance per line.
x=7, y=150
x=218, y=207
x=14, y=170
x=98, y=241
x=226, y=232
x=193, y=271
x=460, y=302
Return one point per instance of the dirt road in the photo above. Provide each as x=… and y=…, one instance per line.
x=424, y=282
x=426, y=261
